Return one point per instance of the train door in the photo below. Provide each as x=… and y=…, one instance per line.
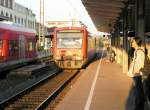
x=3, y=46
x=22, y=51
x=12, y=46
x=13, y=49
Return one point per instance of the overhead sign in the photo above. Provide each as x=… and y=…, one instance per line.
x=64, y=23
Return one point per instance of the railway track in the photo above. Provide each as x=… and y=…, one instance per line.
x=38, y=95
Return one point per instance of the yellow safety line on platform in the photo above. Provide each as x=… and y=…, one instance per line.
x=89, y=100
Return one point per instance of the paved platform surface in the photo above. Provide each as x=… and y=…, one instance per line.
x=102, y=86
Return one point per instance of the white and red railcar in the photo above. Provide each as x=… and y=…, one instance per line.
x=73, y=47
x=17, y=44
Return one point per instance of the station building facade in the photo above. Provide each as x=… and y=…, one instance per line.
x=17, y=13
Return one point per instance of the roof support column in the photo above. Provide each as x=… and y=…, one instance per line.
x=113, y=40
x=117, y=43
x=147, y=16
x=139, y=18
x=125, y=41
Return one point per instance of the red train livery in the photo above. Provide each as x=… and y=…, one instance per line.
x=16, y=43
x=73, y=47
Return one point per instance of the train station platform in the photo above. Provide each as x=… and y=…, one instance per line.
x=102, y=86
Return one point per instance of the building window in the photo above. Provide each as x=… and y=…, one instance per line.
x=33, y=24
x=15, y=19
x=2, y=2
x=2, y=13
x=25, y=22
x=6, y=3
x=11, y=4
x=6, y=14
x=11, y=18
x=28, y=24
x=22, y=20
x=19, y=20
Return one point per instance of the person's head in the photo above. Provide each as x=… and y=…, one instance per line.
x=136, y=42
x=148, y=44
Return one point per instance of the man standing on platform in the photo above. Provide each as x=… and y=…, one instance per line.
x=135, y=68
x=146, y=71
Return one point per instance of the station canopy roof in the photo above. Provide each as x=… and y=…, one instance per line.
x=104, y=13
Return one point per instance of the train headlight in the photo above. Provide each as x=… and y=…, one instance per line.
x=79, y=58
x=57, y=58
x=69, y=53
x=80, y=52
x=57, y=52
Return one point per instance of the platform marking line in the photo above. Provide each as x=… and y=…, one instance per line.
x=89, y=100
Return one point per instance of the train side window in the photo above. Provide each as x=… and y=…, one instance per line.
x=13, y=47
x=2, y=34
x=1, y=43
x=30, y=46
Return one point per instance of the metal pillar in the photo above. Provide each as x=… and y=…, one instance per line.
x=118, y=43
x=112, y=39
x=41, y=25
x=147, y=16
x=125, y=41
x=139, y=18
x=131, y=15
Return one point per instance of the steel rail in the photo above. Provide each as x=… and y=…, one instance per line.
x=2, y=103
x=55, y=93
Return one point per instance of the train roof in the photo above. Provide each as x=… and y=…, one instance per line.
x=69, y=28
x=15, y=27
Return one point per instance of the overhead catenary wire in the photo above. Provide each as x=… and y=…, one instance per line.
x=81, y=16
x=74, y=8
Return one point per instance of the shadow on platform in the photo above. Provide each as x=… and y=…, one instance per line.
x=97, y=57
x=130, y=101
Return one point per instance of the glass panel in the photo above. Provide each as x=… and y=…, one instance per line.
x=6, y=3
x=13, y=47
x=30, y=46
x=69, y=40
x=1, y=44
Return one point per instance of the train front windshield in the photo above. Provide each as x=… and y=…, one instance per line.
x=69, y=39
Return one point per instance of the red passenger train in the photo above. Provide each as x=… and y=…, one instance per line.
x=73, y=47
x=17, y=44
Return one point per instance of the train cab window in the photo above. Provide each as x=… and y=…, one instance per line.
x=69, y=40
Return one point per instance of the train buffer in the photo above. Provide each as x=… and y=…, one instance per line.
x=102, y=86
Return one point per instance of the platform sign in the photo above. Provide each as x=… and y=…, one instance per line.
x=64, y=23
x=70, y=31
